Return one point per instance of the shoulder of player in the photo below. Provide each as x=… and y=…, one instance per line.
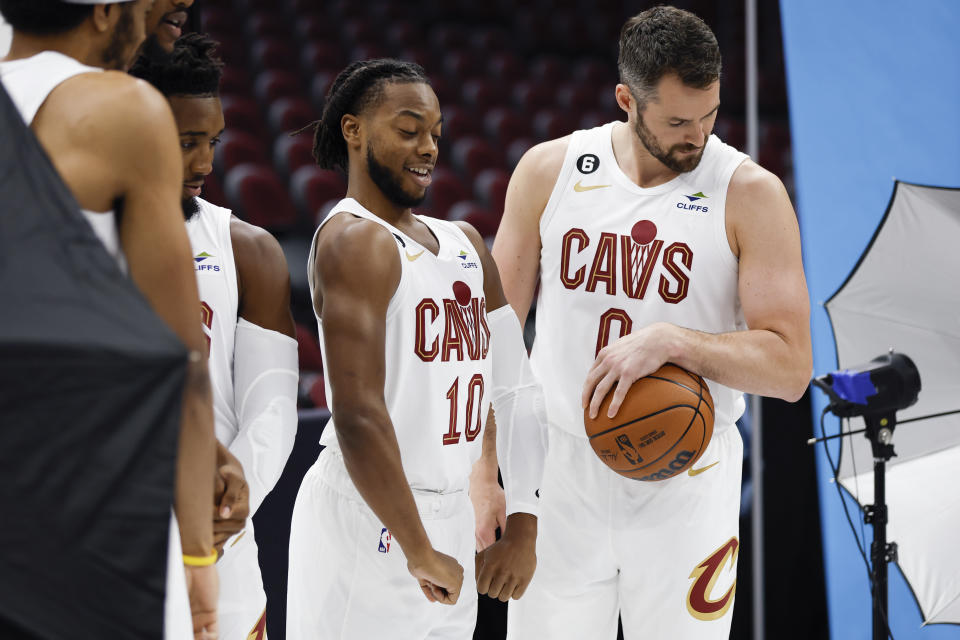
x=257, y=253
x=754, y=186
x=125, y=102
x=472, y=235
x=542, y=162
x=358, y=248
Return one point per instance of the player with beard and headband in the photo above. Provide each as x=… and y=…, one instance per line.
x=417, y=339
x=245, y=308
x=653, y=242
x=94, y=125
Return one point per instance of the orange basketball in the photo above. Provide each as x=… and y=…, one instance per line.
x=664, y=425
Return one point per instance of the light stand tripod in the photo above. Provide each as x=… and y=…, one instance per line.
x=875, y=390
x=880, y=433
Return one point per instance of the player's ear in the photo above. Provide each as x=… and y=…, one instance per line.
x=350, y=127
x=624, y=98
x=102, y=16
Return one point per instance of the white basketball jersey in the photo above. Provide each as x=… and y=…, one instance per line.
x=436, y=350
x=617, y=257
x=29, y=81
x=209, y=232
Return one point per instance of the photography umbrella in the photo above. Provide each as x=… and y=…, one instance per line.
x=91, y=382
x=902, y=294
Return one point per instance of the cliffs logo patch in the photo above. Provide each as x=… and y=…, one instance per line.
x=385, y=539
x=465, y=263
x=203, y=261
x=690, y=206
x=588, y=163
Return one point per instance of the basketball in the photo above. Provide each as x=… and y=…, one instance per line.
x=664, y=425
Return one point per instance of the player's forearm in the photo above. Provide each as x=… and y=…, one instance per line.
x=485, y=468
x=265, y=392
x=263, y=448
x=196, y=464
x=755, y=361
x=372, y=458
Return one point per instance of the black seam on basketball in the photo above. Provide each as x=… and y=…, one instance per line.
x=650, y=415
x=679, y=384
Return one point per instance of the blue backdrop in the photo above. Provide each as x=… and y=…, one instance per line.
x=874, y=91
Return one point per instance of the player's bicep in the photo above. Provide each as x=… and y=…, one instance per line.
x=264, y=278
x=153, y=234
x=358, y=273
x=772, y=286
x=516, y=249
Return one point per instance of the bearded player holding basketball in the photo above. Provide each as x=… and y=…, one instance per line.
x=417, y=340
x=245, y=310
x=657, y=243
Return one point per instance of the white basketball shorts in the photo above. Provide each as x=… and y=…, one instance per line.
x=348, y=579
x=242, y=607
x=661, y=554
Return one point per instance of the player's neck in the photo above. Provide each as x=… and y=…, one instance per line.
x=635, y=161
x=71, y=45
x=373, y=200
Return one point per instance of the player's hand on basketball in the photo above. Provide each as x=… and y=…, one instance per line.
x=504, y=569
x=440, y=576
x=622, y=363
x=489, y=509
x=203, y=585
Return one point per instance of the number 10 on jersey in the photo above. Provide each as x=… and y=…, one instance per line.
x=472, y=418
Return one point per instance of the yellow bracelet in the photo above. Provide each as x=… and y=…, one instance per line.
x=200, y=561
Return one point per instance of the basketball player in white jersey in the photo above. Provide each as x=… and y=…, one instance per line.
x=94, y=125
x=417, y=340
x=245, y=309
x=653, y=242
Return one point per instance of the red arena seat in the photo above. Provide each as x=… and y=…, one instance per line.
x=242, y=114
x=473, y=155
x=445, y=189
x=273, y=85
x=290, y=153
x=236, y=148
x=490, y=188
x=505, y=125
x=290, y=114
x=312, y=187
x=481, y=218
x=256, y=195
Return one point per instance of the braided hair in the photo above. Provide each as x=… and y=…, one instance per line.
x=191, y=70
x=355, y=88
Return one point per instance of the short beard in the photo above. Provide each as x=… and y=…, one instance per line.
x=680, y=165
x=389, y=184
x=191, y=207
x=113, y=56
x=152, y=51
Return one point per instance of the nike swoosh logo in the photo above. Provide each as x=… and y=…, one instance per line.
x=696, y=472
x=579, y=188
x=412, y=258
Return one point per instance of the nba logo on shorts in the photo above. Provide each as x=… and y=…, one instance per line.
x=385, y=539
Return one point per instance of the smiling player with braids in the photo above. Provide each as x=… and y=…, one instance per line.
x=417, y=341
